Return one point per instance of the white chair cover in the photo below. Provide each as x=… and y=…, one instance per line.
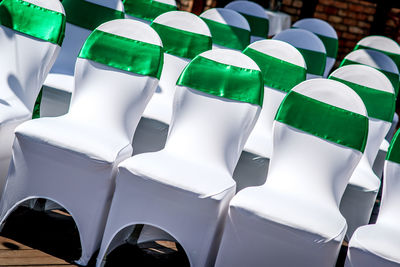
x=152, y=130
x=72, y=159
x=255, y=15
x=59, y=84
x=228, y=28
x=310, y=46
x=378, y=244
x=185, y=188
x=359, y=197
x=328, y=36
x=25, y=62
x=293, y=219
x=252, y=167
x=146, y=11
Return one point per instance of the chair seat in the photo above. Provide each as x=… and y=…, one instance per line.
x=180, y=173
x=77, y=137
x=364, y=179
x=12, y=109
x=301, y=215
x=60, y=81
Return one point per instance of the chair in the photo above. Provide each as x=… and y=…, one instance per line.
x=283, y=67
x=378, y=96
x=147, y=10
x=31, y=34
x=71, y=160
x=59, y=84
x=185, y=188
x=378, y=244
x=328, y=36
x=310, y=46
x=184, y=36
x=255, y=15
x=228, y=28
x=293, y=219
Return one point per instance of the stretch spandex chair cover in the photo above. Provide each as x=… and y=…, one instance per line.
x=186, y=187
x=72, y=159
x=82, y=18
x=283, y=67
x=293, y=219
x=31, y=33
x=379, y=244
x=184, y=36
x=255, y=15
x=328, y=36
x=147, y=10
x=310, y=46
x=228, y=28
x=378, y=96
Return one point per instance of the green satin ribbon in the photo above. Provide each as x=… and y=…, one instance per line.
x=323, y=120
x=331, y=45
x=182, y=43
x=277, y=73
x=146, y=9
x=393, y=77
x=315, y=61
x=123, y=53
x=223, y=80
x=88, y=15
x=259, y=26
x=395, y=57
x=393, y=153
x=33, y=20
x=228, y=36
x=380, y=105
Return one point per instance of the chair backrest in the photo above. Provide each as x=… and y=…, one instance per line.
x=320, y=132
x=217, y=101
x=184, y=36
x=378, y=96
x=382, y=44
x=31, y=33
x=310, y=46
x=389, y=211
x=376, y=60
x=116, y=74
x=147, y=10
x=83, y=16
x=283, y=67
x=228, y=28
x=328, y=36
x=255, y=15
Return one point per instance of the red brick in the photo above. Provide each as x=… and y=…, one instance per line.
x=349, y=36
x=341, y=5
x=287, y=2
x=326, y=2
x=320, y=15
x=330, y=10
x=320, y=8
x=342, y=13
x=369, y=10
x=357, y=30
x=350, y=22
x=297, y=3
x=355, y=7
x=340, y=27
x=363, y=24
x=335, y=19
x=361, y=16
x=370, y=18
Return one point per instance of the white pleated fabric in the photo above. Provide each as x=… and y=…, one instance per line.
x=72, y=159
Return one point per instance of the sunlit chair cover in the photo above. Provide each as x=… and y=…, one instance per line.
x=31, y=33
x=255, y=15
x=328, y=36
x=184, y=36
x=82, y=18
x=379, y=99
x=228, y=28
x=293, y=219
x=310, y=46
x=185, y=188
x=283, y=67
x=378, y=244
x=71, y=160
x=147, y=10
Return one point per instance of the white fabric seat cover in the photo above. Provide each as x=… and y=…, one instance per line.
x=59, y=84
x=25, y=62
x=328, y=36
x=311, y=47
x=379, y=244
x=71, y=160
x=187, y=185
x=359, y=197
x=153, y=127
x=293, y=219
